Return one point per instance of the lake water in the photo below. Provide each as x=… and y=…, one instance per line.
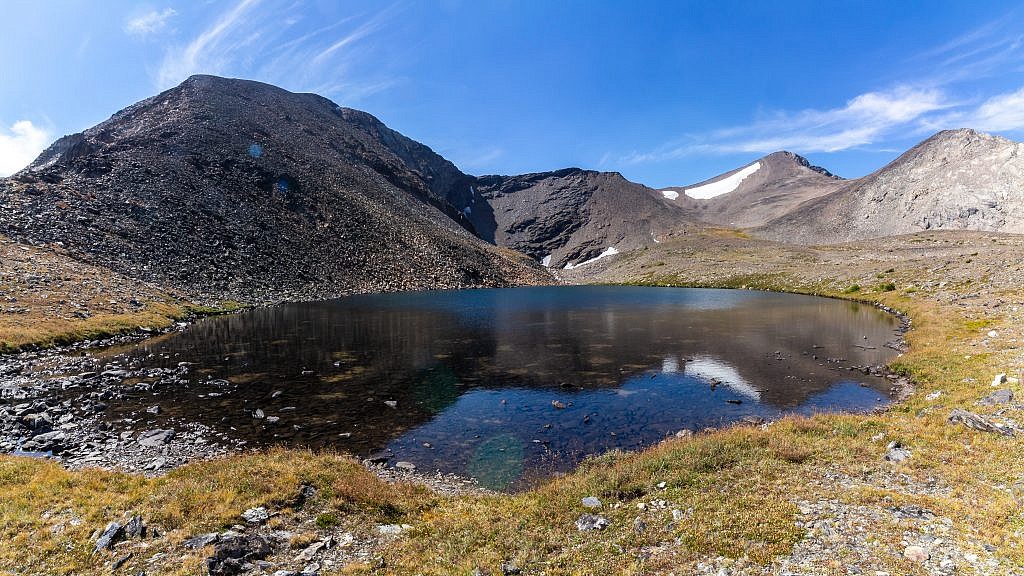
x=509, y=384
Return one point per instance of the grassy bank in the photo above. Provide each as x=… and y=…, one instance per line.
x=811, y=493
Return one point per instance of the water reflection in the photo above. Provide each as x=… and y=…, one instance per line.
x=502, y=383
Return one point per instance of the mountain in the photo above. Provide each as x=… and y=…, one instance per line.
x=238, y=189
x=570, y=217
x=758, y=192
x=955, y=180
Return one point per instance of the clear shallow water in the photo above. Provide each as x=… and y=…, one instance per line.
x=515, y=383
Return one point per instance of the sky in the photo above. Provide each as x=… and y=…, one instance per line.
x=667, y=93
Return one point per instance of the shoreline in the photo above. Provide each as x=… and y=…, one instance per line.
x=78, y=438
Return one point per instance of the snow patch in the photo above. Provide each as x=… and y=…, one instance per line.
x=546, y=261
x=723, y=186
x=670, y=194
x=708, y=368
x=611, y=251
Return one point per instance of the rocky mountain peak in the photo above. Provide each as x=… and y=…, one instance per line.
x=785, y=158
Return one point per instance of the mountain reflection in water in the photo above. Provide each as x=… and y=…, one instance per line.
x=504, y=383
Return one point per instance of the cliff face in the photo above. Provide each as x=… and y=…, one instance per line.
x=238, y=189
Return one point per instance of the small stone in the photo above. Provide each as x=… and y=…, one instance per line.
x=155, y=409
x=309, y=553
x=392, y=529
x=916, y=554
x=135, y=528
x=999, y=380
x=933, y=396
x=591, y=502
x=155, y=438
x=684, y=433
x=662, y=485
x=201, y=541
x=998, y=397
x=589, y=522
x=256, y=515
x=559, y=405
x=391, y=403
x=895, y=452
x=993, y=334
x=110, y=535
x=408, y=466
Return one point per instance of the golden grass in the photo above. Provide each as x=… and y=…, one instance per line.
x=39, y=500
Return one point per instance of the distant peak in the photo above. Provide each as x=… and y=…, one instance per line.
x=792, y=157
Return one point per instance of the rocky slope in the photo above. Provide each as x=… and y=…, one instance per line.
x=955, y=180
x=763, y=190
x=572, y=216
x=237, y=189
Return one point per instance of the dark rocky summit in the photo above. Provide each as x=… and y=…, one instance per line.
x=237, y=189
x=571, y=216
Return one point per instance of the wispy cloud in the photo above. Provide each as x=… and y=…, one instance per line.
x=20, y=144
x=1000, y=113
x=149, y=23
x=210, y=52
x=863, y=120
x=253, y=38
x=936, y=93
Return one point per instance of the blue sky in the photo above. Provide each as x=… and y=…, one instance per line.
x=668, y=93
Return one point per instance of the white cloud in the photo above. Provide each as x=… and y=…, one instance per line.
x=248, y=40
x=20, y=144
x=1000, y=113
x=210, y=52
x=863, y=120
x=149, y=23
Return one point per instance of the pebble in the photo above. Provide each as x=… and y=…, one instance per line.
x=591, y=502
x=916, y=554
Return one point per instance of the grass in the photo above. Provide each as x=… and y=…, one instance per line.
x=47, y=513
x=32, y=331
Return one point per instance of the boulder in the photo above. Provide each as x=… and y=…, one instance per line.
x=977, y=422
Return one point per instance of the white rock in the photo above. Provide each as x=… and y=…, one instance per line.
x=591, y=502
x=993, y=334
x=933, y=396
x=999, y=380
x=256, y=515
x=916, y=554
